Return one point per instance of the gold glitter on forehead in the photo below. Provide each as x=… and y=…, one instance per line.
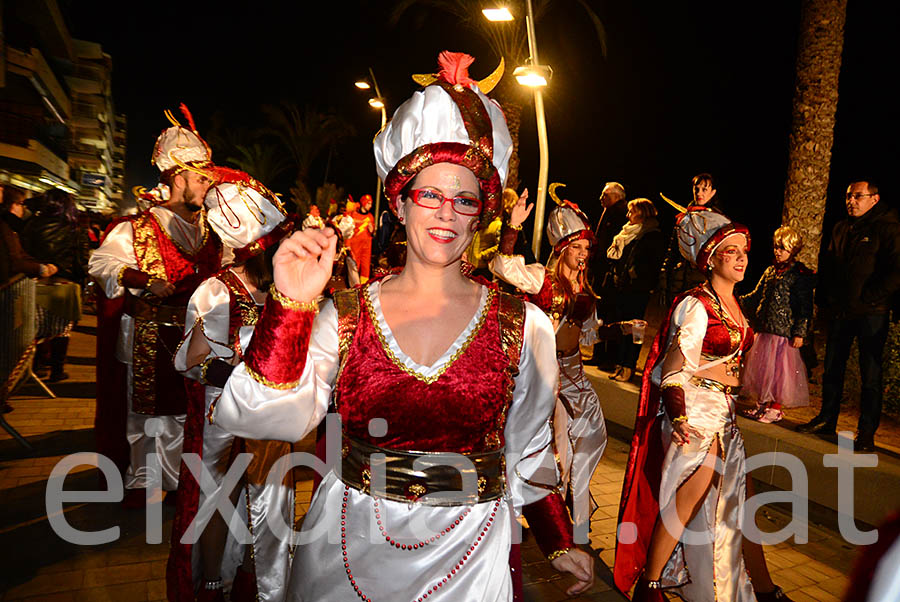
x=451, y=180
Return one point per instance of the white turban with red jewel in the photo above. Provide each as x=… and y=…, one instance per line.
x=449, y=121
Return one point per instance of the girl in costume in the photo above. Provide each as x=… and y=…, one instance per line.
x=685, y=483
x=444, y=386
x=781, y=307
x=562, y=291
x=221, y=317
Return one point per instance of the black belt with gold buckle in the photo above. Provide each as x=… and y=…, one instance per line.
x=412, y=476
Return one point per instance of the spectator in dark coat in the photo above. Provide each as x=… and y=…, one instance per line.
x=635, y=253
x=677, y=274
x=20, y=262
x=611, y=221
x=52, y=235
x=859, y=275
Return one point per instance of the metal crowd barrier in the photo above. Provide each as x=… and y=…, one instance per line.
x=17, y=343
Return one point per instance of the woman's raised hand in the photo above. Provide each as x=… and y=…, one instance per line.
x=520, y=211
x=303, y=264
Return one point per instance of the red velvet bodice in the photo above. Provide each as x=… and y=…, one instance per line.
x=723, y=336
x=553, y=301
x=463, y=411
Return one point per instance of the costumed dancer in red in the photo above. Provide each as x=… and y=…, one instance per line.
x=423, y=365
x=221, y=316
x=562, y=291
x=680, y=513
x=360, y=242
x=153, y=261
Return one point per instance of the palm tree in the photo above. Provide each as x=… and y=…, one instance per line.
x=264, y=162
x=305, y=134
x=819, y=49
x=508, y=40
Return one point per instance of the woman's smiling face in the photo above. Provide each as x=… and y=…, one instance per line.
x=440, y=236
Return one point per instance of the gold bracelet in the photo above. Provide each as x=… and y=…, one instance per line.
x=557, y=554
x=516, y=227
x=681, y=418
x=152, y=280
x=278, y=296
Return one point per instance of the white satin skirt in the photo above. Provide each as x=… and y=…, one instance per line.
x=580, y=438
x=267, y=505
x=466, y=563
x=707, y=564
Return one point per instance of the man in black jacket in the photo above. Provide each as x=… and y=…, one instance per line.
x=859, y=276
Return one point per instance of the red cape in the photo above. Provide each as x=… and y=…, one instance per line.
x=639, y=503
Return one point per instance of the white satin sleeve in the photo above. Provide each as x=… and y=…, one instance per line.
x=530, y=462
x=686, y=333
x=252, y=410
x=589, y=328
x=512, y=269
x=115, y=254
x=207, y=316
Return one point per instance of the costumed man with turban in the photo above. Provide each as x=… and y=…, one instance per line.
x=147, y=268
x=221, y=316
x=562, y=291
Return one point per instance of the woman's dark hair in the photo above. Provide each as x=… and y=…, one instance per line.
x=258, y=269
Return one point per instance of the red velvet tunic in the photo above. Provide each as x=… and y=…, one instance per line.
x=455, y=413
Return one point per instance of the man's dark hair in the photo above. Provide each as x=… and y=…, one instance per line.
x=871, y=186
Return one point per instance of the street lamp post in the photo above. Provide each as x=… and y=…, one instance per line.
x=376, y=103
x=533, y=75
x=543, y=146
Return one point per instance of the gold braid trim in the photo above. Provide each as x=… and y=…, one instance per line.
x=120, y=275
x=681, y=418
x=558, y=553
x=278, y=296
x=399, y=364
x=268, y=383
x=670, y=385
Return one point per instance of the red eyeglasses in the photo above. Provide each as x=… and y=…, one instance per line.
x=432, y=199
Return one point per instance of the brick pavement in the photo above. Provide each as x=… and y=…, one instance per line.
x=38, y=565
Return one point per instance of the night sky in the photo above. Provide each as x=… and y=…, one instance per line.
x=685, y=87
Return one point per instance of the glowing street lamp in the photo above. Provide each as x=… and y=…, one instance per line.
x=497, y=14
x=377, y=102
x=535, y=76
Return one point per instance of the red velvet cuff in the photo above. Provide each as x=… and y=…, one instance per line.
x=549, y=520
x=673, y=400
x=132, y=278
x=508, y=237
x=276, y=355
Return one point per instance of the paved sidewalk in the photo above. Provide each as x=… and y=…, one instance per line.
x=38, y=565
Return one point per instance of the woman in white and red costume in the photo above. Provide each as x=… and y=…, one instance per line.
x=562, y=291
x=680, y=523
x=449, y=366
x=221, y=316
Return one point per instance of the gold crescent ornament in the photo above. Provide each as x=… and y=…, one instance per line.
x=551, y=190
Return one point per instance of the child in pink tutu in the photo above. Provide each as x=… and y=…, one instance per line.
x=781, y=308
